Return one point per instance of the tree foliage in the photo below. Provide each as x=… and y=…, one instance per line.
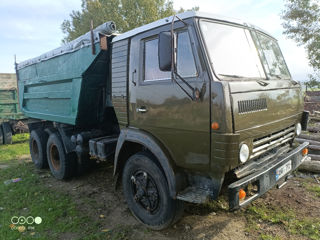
x=313, y=82
x=127, y=14
x=302, y=24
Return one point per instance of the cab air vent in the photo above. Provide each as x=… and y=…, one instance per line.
x=254, y=105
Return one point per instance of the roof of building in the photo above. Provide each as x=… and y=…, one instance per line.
x=185, y=15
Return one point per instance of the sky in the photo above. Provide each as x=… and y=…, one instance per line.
x=29, y=28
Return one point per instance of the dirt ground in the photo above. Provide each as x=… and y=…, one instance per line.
x=96, y=197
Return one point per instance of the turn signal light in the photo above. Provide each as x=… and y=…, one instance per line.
x=215, y=126
x=242, y=194
x=305, y=151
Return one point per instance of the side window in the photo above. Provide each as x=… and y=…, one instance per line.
x=185, y=60
x=151, y=62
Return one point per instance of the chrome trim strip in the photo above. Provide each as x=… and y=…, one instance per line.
x=267, y=139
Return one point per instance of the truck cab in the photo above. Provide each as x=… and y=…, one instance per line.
x=218, y=97
x=183, y=106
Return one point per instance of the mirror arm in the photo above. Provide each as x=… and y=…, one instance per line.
x=175, y=16
x=173, y=48
x=182, y=88
x=185, y=82
x=173, y=65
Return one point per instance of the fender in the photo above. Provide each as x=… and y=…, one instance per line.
x=155, y=147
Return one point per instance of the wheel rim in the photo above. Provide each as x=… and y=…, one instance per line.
x=54, y=157
x=35, y=149
x=145, y=191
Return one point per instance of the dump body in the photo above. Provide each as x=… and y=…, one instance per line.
x=67, y=85
x=9, y=108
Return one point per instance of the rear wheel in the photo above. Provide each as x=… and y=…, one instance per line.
x=147, y=193
x=38, y=145
x=62, y=165
x=7, y=133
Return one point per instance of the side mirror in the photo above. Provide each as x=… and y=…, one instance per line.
x=165, y=51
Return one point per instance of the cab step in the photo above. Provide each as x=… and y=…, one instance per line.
x=194, y=195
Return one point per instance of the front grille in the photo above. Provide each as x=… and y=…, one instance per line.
x=254, y=105
x=264, y=144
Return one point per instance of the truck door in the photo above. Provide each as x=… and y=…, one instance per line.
x=157, y=105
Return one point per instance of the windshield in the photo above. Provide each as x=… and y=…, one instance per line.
x=233, y=53
x=271, y=57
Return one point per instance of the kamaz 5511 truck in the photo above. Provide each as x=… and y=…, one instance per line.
x=182, y=106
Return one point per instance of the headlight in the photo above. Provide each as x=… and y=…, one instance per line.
x=244, y=153
x=298, y=129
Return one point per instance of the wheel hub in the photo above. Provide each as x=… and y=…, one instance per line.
x=145, y=191
x=54, y=157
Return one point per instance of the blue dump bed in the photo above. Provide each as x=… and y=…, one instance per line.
x=69, y=84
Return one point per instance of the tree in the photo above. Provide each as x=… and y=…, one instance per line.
x=313, y=82
x=301, y=23
x=127, y=14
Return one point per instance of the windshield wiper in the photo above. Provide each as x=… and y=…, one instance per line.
x=279, y=77
x=262, y=83
x=275, y=75
x=232, y=76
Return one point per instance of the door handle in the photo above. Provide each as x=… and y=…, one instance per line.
x=132, y=77
x=142, y=110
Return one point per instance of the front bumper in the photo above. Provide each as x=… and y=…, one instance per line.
x=266, y=178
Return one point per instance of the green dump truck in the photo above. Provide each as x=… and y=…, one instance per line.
x=183, y=106
x=11, y=118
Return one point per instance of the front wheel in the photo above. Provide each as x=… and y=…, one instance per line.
x=147, y=193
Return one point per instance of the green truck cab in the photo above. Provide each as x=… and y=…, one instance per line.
x=183, y=106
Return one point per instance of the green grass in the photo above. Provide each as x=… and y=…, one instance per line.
x=315, y=189
x=17, y=138
x=19, y=147
x=31, y=197
x=269, y=237
x=308, y=227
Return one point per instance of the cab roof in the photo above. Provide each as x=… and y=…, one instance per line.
x=185, y=15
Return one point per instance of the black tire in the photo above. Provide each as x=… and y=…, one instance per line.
x=1, y=135
x=157, y=210
x=7, y=133
x=62, y=165
x=38, y=148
